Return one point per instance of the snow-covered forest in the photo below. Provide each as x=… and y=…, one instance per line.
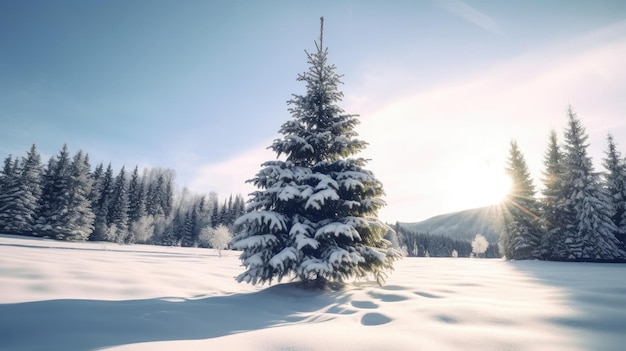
x=66, y=199
x=419, y=244
x=580, y=214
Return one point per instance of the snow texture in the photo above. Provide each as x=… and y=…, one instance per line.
x=105, y=296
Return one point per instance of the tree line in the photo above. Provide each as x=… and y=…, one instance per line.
x=579, y=215
x=419, y=244
x=67, y=200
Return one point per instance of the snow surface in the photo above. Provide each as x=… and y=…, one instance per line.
x=86, y=296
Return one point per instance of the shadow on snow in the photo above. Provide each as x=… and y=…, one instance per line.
x=92, y=324
x=595, y=294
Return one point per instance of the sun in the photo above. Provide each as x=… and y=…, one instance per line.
x=494, y=187
x=481, y=186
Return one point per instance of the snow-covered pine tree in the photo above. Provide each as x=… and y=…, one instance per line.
x=522, y=230
x=159, y=192
x=80, y=218
x=615, y=187
x=553, y=210
x=11, y=206
x=118, y=209
x=6, y=172
x=589, y=231
x=55, y=202
x=66, y=209
x=103, y=194
x=136, y=205
x=315, y=215
x=136, y=197
x=188, y=239
x=30, y=182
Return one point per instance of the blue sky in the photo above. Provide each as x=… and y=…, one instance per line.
x=201, y=86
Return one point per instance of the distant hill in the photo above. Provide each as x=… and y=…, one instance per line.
x=464, y=224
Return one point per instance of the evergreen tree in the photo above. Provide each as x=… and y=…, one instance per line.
x=239, y=207
x=118, y=209
x=46, y=196
x=136, y=206
x=30, y=180
x=215, y=216
x=55, y=203
x=522, y=233
x=553, y=209
x=167, y=195
x=136, y=197
x=223, y=216
x=195, y=225
x=615, y=187
x=6, y=172
x=159, y=197
x=187, y=239
x=80, y=218
x=589, y=232
x=104, y=194
x=315, y=213
x=66, y=210
x=97, y=178
x=13, y=198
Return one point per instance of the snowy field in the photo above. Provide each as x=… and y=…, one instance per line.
x=94, y=296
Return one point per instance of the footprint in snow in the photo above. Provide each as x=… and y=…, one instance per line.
x=388, y=297
x=447, y=319
x=364, y=304
x=370, y=319
x=427, y=295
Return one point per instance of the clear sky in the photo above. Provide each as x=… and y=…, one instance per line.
x=201, y=86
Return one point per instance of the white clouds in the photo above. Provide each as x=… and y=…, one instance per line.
x=440, y=149
x=430, y=147
x=472, y=15
x=229, y=177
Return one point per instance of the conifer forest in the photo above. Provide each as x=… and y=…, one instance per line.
x=66, y=199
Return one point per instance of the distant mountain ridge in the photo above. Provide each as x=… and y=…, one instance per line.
x=463, y=224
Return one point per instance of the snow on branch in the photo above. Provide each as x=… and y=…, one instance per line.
x=303, y=240
x=324, y=181
x=351, y=184
x=365, y=177
x=305, y=146
x=315, y=265
x=284, y=256
x=300, y=228
x=351, y=204
x=380, y=256
x=357, y=222
x=340, y=256
x=255, y=241
x=370, y=203
x=255, y=260
x=318, y=199
x=338, y=229
x=273, y=220
x=288, y=193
